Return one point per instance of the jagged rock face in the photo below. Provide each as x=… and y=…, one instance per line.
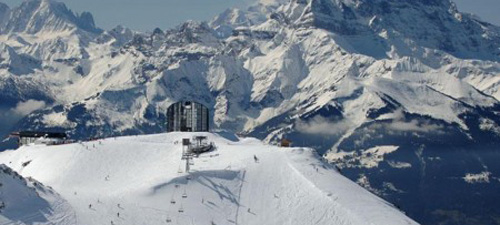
x=225, y=22
x=17, y=64
x=45, y=15
x=344, y=77
x=66, y=35
x=431, y=24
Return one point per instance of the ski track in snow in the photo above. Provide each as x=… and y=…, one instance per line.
x=138, y=177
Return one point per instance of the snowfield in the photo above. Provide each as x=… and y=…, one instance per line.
x=26, y=201
x=137, y=179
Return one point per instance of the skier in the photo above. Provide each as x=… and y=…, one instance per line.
x=255, y=158
x=118, y=214
x=90, y=206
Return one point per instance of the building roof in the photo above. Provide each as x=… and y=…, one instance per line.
x=39, y=134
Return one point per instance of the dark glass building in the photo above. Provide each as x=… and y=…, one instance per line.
x=187, y=117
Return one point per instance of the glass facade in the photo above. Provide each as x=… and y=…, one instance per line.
x=187, y=117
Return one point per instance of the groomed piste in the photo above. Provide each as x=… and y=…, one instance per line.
x=143, y=180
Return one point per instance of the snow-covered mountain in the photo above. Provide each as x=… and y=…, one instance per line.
x=412, y=83
x=142, y=180
x=36, y=16
x=27, y=201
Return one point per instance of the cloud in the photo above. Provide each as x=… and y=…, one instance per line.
x=399, y=124
x=415, y=126
x=27, y=107
x=10, y=116
x=322, y=126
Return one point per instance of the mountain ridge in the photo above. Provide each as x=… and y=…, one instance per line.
x=272, y=72
x=35, y=16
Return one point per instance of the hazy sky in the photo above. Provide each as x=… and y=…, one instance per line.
x=145, y=15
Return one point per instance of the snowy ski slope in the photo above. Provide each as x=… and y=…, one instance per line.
x=28, y=201
x=136, y=179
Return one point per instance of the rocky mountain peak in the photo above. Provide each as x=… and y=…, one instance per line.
x=34, y=16
x=193, y=31
x=432, y=24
